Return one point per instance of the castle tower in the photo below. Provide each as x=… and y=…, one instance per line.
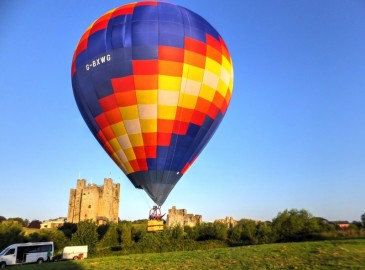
x=182, y=218
x=91, y=202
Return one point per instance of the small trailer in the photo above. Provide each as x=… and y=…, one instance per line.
x=74, y=252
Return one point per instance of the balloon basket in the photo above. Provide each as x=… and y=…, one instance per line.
x=154, y=225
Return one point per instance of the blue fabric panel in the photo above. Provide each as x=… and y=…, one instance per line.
x=96, y=44
x=144, y=52
x=121, y=63
x=101, y=81
x=171, y=40
x=195, y=34
x=121, y=19
x=151, y=163
x=171, y=28
x=144, y=33
x=86, y=90
x=81, y=59
x=161, y=163
x=211, y=31
x=86, y=113
x=118, y=35
x=192, y=130
x=145, y=13
x=171, y=34
x=209, y=134
x=145, y=39
x=162, y=151
x=169, y=13
x=145, y=27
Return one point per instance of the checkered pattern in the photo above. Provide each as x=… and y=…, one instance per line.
x=158, y=100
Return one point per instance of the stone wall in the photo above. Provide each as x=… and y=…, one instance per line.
x=230, y=221
x=92, y=202
x=182, y=218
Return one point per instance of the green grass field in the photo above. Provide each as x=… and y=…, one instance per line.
x=337, y=254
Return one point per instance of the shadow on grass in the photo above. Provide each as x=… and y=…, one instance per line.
x=59, y=265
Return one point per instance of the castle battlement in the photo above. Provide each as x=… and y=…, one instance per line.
x=182, y=218
x=92, y=202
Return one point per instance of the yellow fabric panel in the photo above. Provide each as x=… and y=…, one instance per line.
x=148, y=125
x=193, y=73
x=191, y=87
x=207, y=92
x=222, y=88
x=136, y=139
x=213, y=66
x=116, y=158
x=122, y=156
x=129, y=112
x=128, y=167
x=124, y=142
x=129, y=153
x=210, y=79
x=146, y=97
x=166, y=112
x=225, y=76
x=171, y=83
x=119, y=129
x=226, y=63
x=132, y=126
x=231, y=82
x=147, y=111
x=170, y=98
x=187, y=101
x=115, y=144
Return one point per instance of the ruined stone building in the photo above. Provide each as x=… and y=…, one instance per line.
x=230, y=221
x=92, y=202
x=182, y=218
x=53, y=223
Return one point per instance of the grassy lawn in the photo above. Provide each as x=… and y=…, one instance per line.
x=337, y=254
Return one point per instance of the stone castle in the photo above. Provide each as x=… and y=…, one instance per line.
x=91, y=202
x=230, y=221
x=182, y=218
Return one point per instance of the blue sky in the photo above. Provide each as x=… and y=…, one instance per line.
x=293, y=136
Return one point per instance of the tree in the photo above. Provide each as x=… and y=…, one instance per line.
x=126, y=234
x=68, y=229
x=110, y=237
x=23, y=222
x=57, y=236
x=264, y=233
x=248, y=233
x=2, y=219
x=86, y=234
x=363, y=220
x=294, y=225
x=220, y=231
x=10, y=232
x=35, y=224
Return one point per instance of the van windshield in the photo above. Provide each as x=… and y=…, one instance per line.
x=4, y=251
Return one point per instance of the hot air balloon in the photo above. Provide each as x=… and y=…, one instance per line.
x=152, y=81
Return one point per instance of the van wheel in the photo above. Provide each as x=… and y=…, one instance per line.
x=75, y=258
x=2, y=265
x=40, y=261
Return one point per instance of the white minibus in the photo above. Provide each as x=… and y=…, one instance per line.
x=36, y=252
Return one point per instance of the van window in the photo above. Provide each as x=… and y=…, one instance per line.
x=10, y=251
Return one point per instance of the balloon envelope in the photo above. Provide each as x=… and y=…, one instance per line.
x=153, y=81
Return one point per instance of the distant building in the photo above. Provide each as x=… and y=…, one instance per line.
x=344, y=225
x=182, y=218
x=230, y=221
x=91, y=202
x=53, y=223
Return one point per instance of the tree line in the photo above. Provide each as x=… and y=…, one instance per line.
x=131, y=237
